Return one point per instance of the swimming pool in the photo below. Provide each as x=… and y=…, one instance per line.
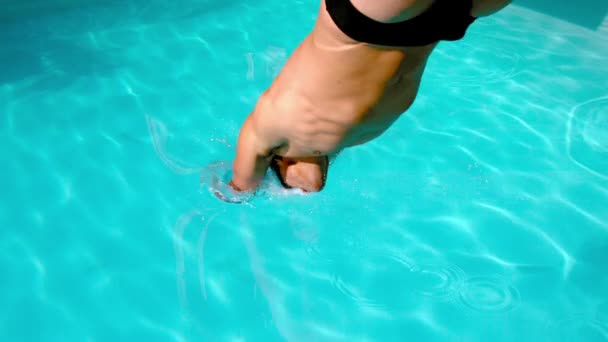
x=482, y=214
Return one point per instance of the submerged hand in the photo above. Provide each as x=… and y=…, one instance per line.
x=233, y=195
x=234, y=187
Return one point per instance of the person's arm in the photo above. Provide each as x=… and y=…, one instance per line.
x=253, y=155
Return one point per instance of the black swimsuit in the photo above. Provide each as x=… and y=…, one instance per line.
x=444, y=20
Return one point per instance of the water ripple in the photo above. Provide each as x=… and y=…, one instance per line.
x=506, y=64
x=216, y=178
x=442, y=282
x=315, y=254
x=392, y=254
x=531, y=129
x=587, y=215
x=178, y=245
x=159, y=329
x=577, y=327
x=569, y=260
x=478, y=161
x=201, y=255
x=158, y=133
x=587, y=136
x=489, y=294
x=477, y=133
x=352, y=293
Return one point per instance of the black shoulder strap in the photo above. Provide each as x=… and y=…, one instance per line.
x=444, y=20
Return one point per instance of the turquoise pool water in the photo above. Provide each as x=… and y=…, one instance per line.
x=481, y=215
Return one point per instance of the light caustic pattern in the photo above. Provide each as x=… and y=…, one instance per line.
x=480, y=215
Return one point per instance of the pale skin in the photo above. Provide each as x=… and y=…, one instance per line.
x=333, y=93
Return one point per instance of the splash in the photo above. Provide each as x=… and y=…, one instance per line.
x=216, y=179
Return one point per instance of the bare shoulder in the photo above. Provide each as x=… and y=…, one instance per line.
x=483, y=8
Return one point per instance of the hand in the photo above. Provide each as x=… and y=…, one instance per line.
x=236, y=196
x=234, y=187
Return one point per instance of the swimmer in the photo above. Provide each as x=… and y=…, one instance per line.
x=345, y=84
